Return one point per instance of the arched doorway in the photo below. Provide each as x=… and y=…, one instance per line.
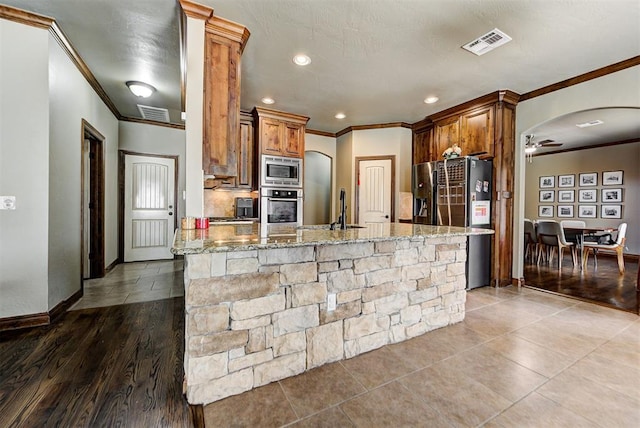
x=317, y=188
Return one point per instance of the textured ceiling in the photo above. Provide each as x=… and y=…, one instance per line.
x=374, y=60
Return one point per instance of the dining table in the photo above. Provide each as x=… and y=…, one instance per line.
x=581, y=232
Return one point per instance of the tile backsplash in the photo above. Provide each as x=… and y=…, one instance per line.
x=221, y=203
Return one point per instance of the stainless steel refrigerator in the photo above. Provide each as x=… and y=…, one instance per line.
x=458, y=195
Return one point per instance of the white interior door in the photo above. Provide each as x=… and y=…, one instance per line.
x=149, y=207
x=375, y=191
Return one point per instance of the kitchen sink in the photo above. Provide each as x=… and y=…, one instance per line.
x=328, y=227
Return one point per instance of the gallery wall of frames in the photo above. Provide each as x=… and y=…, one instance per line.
x=584, y=195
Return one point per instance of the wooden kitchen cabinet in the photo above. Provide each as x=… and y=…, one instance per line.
x=447, y=133
x=279, y=133
x=245, y=152
x=224, y=42
x=422, y=142
x=476, y=132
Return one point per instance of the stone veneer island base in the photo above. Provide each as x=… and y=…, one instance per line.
x=256, y=308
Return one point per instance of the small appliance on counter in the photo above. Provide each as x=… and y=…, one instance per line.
x=245, y=208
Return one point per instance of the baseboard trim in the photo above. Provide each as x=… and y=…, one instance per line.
x=24, y=321
x=63, y=306
x=517, y=282
x=115, y=263
x=41, y=319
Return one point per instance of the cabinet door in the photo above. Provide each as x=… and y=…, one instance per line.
x=447, y=133
x=245, y=157
x=422, y=142
x=477, y=132
x=221, y=106
x=271, y=136
x=293, y=140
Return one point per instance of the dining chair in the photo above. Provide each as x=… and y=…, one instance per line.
x=530, y=240
x=550, y=237
x=617, y=246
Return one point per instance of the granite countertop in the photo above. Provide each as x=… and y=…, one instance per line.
x=243, y=237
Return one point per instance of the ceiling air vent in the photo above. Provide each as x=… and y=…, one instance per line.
x=488, y=42
x=154, y=113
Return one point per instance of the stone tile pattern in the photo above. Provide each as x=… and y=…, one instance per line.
x=255, y=317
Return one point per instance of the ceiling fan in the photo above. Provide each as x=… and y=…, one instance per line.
x=531, y=146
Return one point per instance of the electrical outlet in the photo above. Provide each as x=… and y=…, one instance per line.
x=331, y=302
x=7, y=202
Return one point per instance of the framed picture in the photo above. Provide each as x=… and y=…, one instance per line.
x=589, y=179
x=611, y=195
x=545, y=210
x=565, y=195
x=566, y=180
x=547, y=181
x=547, y=195
x=587, y=195
x=611, y=211
x=612, y=178
x=587, y=211
x=565, y=210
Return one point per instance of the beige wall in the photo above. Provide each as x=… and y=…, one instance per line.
x=326, y=146
x=623, y=157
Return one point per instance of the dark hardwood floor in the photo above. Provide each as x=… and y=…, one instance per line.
x=604, y=286
x=112, y=366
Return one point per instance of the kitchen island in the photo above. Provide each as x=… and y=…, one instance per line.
x=260, y=308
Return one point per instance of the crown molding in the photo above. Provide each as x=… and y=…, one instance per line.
x=374, y=126
x=320, y=133
x=24, y=17
x=195, y=10
x=609, y=69
x=228, y=29
x=151, y=122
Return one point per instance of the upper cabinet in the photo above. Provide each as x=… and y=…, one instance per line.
x=476, y=132
x=224, y=42
x=279, y=133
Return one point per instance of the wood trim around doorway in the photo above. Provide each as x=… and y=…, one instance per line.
x=121, y=163
x=356, y=193
x=97, y=221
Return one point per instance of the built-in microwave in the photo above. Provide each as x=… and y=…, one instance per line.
x=281, y=171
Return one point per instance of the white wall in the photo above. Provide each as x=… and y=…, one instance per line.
x=194, y=123
x=24, y=168
x=387, y=141
x=157, y=140
x=618, y=89
x=72, y=99
x=344, y=174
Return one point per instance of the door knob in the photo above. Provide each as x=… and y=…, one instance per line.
x=170, y=213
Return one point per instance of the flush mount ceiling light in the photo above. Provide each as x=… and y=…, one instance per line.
x=140, y=89
x=431, y=100
x=590, y=123
x=267, y=100
x=301, y=59
x=340, y=116
x=488, y=42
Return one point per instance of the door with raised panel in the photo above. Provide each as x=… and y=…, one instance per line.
x=447, y=133
x=149, y=207
x=271, y=136
x=293, y=140
x=476, y=129
x=375, y=191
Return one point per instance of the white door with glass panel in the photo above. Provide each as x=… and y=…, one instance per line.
x=149, y=207
x=375, y=191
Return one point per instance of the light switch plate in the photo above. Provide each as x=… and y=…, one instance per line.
x=331, y=302
x=7, y=202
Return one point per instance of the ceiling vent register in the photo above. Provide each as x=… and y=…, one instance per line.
x=154, y=113
x=488, y=42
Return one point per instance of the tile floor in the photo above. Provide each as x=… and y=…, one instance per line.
x=134, y=282
x=520, y=359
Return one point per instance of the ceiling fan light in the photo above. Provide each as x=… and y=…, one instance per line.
x=140, y=89
x=530, y=149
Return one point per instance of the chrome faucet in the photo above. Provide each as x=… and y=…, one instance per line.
x=342, y=219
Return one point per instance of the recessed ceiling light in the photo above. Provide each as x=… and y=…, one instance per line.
x=301, y=59
x=590, y=123
x=340, y=116
x=140, y=89
x=267, y=100
x=431, y=100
